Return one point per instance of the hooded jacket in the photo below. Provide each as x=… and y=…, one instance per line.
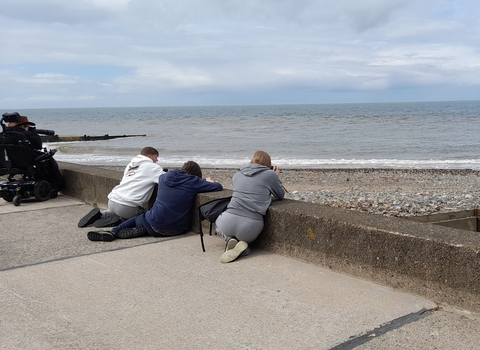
x=138, y=182
x=172, y=209
x=253, y=187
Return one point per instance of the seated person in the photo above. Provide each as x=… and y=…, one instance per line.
x=27, y=129
x=129, y=197
x=172, y=212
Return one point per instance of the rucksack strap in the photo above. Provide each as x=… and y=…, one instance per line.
x=219, y=206
x=201, y=235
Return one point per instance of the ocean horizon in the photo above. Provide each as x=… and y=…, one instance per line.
x=415, y=135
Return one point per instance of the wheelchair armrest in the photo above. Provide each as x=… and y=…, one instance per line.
x=45, y=155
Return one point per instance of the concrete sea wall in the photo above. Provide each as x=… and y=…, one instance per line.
x=440, y=263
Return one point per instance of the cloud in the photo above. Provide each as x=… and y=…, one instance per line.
x=48, y=78
x=134, y=51
x=58, y=11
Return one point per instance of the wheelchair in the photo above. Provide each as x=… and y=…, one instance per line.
x=26, y=167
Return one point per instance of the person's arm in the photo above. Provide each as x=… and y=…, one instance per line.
x=276, y=187
x=34, y=138
x=208, y=185
x=157, y=172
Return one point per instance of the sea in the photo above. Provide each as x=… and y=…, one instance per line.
x=419, y=135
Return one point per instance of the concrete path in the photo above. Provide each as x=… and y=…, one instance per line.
x=58, y=290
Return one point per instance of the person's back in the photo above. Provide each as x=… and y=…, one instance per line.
x=242, y=222
x=27, y=129
x=129, y=198
x=253, y=187
x=176, y=193
x=138, y=182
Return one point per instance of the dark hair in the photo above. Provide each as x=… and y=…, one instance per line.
x=192, y=168
x=148, y=151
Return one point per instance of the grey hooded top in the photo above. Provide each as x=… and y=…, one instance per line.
x=253, y=187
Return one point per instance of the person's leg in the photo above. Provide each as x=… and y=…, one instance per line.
x=248, y=230
x=108, y=219
x=92, y=216
x=135, y=227
x=239, y=232
x=55, y=177
x=124, y=211
x=239, y=227
x=130, y=223
x=110, y=235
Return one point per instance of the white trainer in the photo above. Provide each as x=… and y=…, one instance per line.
x=232, y=254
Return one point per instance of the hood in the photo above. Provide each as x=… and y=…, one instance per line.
x=139, y=160
x=253, y=169
x=176, y=177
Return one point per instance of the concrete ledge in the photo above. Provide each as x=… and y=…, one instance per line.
x=88, y=183
x=437, y=262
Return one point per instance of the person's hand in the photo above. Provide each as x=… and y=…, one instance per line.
x=209, y=179
x=276, y=169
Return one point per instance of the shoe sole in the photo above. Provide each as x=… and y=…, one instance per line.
x=231, y=244
x=232, y=254
x=100, y=236
x=90, y=218
x=107, y=222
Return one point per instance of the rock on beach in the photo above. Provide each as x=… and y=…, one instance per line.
x=387, y=192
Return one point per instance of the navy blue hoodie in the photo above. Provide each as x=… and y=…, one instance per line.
x=172, y=209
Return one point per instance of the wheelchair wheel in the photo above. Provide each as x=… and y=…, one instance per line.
x=8, y=197
x=17, y=200
x=41, y=190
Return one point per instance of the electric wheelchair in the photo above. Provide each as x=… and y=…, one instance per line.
x=26, y=167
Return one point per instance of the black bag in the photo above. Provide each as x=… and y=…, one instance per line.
x=211, y=211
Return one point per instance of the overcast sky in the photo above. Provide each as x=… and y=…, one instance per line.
x=116, y=53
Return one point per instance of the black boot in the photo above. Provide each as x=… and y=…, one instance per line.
x=132, y=232
x=105, y=236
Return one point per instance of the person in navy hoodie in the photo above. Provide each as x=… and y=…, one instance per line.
x=171, y=213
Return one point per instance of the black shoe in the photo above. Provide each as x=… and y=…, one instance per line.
x=90, y=218
x=132, y=232
x=108, y=221
x=105, y=236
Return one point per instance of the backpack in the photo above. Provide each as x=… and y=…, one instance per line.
x=211, y=211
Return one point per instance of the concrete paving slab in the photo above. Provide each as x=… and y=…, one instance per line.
x=30, y=204
x=170, y=295
x=445, y=329
x=45, y=231
x=61, y=291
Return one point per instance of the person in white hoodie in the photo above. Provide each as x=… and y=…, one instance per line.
x=130, y=196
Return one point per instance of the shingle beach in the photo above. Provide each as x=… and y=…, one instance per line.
x=388, y=192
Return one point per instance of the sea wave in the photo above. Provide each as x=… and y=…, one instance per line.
x=177, y=161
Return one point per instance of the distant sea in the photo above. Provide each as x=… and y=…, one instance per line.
x=421, y=135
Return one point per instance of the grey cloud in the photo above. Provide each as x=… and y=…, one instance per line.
x=54, y=11
x=219, y=47
x=367, y=14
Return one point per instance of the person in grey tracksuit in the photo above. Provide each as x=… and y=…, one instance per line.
x=253, y=188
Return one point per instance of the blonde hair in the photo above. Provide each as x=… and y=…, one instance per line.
x=262, y=158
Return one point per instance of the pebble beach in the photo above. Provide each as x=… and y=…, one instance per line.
x=387, y=192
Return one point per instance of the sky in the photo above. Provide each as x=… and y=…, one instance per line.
x=135, y=53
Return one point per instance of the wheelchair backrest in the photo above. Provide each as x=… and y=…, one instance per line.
x=17, y=156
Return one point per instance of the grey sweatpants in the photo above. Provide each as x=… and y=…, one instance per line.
x=242, y=228
x=122, y=210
